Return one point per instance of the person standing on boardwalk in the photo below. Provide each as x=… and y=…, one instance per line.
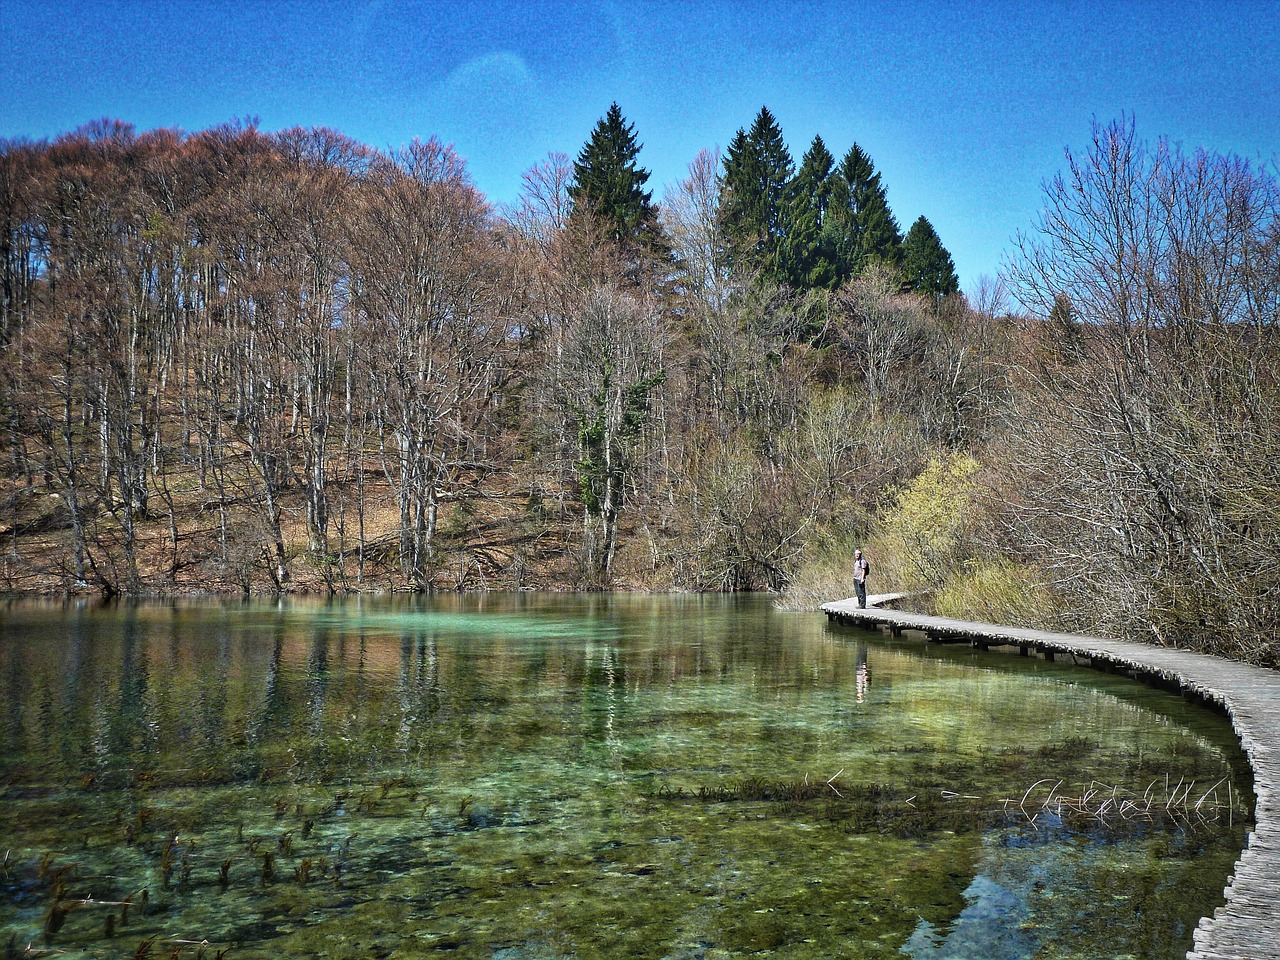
x=861, y=569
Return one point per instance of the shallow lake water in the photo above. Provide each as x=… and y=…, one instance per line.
x=512, y=777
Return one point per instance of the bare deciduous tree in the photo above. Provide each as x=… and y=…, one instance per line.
x=1131, y=442
x=433, y=298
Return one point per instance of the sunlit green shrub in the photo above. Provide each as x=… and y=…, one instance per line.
x=922, y=538
x=996, y=591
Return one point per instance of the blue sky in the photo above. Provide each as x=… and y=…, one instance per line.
x=965, y=108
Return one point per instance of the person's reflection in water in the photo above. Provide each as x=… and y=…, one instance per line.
x=863, y=673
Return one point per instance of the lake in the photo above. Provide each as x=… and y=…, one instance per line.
x=524, y=776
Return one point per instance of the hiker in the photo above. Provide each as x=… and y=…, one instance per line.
x=860, y=571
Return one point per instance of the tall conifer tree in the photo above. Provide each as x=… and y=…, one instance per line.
x=866, y=227
x=608, y=183
x=811, y=246
x=757, y=180
x=926, y=265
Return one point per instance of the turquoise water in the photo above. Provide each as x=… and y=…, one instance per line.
x=553, y=776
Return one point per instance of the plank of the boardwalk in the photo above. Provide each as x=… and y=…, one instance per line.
x=1247, y=925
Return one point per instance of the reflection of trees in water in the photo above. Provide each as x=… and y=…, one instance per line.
x=317, y=679
x=604, y=697
x=573, y=726
x=970, y=931
x=131, y=732
x=274, y=705
x=15, y=686
x=361, y=670
x=213, y=693
x=419, y=687
x=61, y=724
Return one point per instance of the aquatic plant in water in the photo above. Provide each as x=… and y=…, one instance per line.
x=596, y=794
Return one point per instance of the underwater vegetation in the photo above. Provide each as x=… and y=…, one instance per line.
x=263, y=792
x=263, y=869
x=1073, y=797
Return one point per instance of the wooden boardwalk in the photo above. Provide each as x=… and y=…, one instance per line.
x=1247, y=926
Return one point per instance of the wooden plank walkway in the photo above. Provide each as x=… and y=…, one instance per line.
x=1247, y=926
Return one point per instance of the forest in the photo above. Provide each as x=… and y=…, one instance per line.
x=257, y=363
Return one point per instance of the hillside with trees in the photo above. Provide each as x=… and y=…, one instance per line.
x=249, y=362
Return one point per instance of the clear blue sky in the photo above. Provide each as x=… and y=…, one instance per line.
x=965, y=108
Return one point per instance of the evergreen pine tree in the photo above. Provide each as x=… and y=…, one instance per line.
x=926, y=265
x=609, y=185
x=753, y=199
x=865, y=226
x=741, y=204
x=811, y=242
